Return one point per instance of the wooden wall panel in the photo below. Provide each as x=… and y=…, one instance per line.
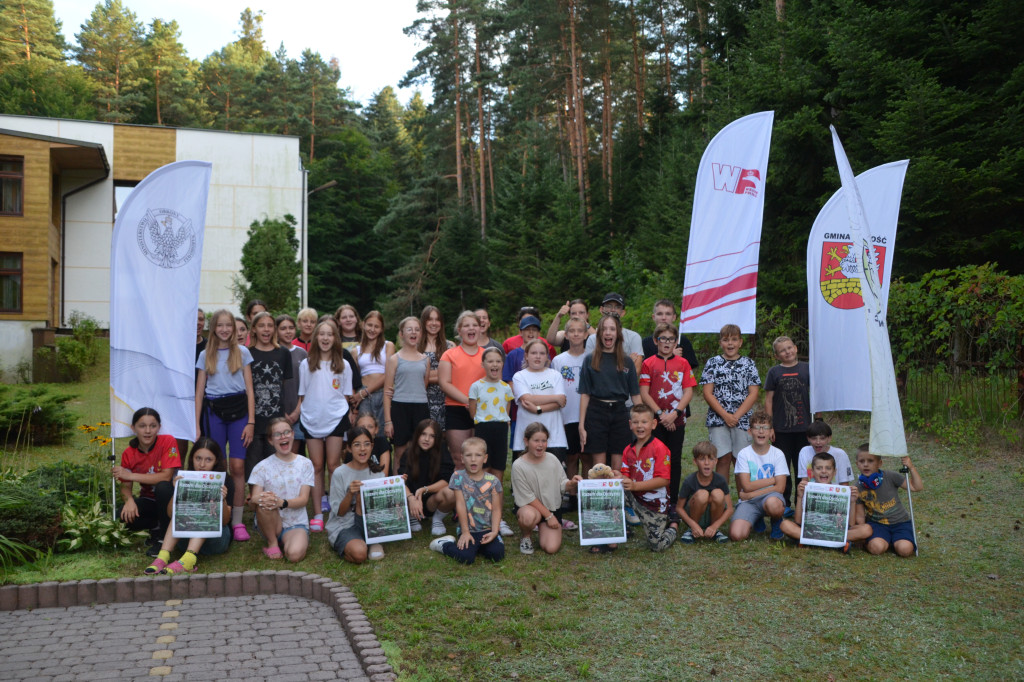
x=138, y=151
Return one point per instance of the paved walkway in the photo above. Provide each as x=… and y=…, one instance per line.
x=263, y=637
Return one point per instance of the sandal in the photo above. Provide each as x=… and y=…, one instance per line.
x=316, y=526
x=568, y=525
x=156, y=567
x=239, y=532
x=177, y=567
x=273, y=553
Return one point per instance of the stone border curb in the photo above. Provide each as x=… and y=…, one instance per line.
x=161, y=588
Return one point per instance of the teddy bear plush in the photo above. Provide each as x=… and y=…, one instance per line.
x=601, y=471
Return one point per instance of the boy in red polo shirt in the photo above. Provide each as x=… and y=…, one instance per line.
x=645, y=471
x=666, y=386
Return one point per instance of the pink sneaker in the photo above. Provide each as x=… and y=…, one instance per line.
x=240, y=533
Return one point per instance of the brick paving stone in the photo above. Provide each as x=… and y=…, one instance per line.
x=117, y=640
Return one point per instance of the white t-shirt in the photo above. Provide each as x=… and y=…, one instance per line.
x=545, y=382
x=844, y=472
x=772, y=463
x=285, y=479
x=341, y=479
x=568, y=366
x=323, y=403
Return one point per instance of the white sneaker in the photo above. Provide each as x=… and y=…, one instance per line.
x=376, y=552
x=503, y=529
x=415, y=526
x=437, y=526
x=526, y=546
x=435, y=545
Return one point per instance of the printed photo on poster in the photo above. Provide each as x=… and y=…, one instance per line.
x=198, y=508
x=602, y=512
x=385, y=510
x=826, y=515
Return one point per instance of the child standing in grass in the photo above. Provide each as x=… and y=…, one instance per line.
x=345, y=525
x=478, y=504
x=761, y=474
x=891, y=525
x=788, y=402
x=731, y=384
x=280, y=492
x=489, y=400
x=205, y=456
x=538, y=482
x=645, y=478
x=226, y=404
x=704, y=501
x=405, y=388
x=823, y=468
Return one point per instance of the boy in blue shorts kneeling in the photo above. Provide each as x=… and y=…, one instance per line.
x=890, y=523
x=761, y=473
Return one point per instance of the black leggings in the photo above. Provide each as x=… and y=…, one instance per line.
x=153, y=514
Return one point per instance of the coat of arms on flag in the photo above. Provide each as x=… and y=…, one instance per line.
x=840, y=274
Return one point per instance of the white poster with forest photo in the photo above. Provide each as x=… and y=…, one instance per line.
x=826, y=515
x=385, y=510
x=198, y=507
x=602, y=512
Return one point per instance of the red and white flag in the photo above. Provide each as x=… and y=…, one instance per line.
x=156, y=256
x=720, y=286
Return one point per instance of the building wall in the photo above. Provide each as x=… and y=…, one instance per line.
x=30, y=232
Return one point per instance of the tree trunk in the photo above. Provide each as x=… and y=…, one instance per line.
x=578, y=113
x=702, y=25
x=28, y=41
x=639, y=77
x=607, y=139
x=472, y=165
x=482, y=147
x=458, y=103
x=312, y=120
x=156, y=91
x=668, y=50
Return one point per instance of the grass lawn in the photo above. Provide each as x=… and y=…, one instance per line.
x=752, y=609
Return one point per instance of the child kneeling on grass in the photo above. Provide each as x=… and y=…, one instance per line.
x=205, y=456
x=761, y=473
x=645, y=477
x=538, y=482
x=704, y=501
x=280, y=492
x=478, y=504
x=344, y=527
x=823, y=470
x=891, y=525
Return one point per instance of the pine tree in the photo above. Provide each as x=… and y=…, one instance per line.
x=111, y=49
x=172, y=86
x=28, y=30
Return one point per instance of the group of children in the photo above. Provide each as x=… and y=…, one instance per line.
x=327, y=385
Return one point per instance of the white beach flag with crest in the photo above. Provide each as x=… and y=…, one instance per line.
x=720, y=285
x=155, y=260
x=887, y=436
x=839, y=358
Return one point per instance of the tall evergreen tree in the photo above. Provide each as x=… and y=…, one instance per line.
x=172, y=86
x=28, y=30
x=110, y=48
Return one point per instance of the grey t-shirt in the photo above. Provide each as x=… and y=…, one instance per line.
x=341, y=479
x=883, y=503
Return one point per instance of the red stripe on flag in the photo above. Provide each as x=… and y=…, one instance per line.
x=709, y=296
x=717, y=307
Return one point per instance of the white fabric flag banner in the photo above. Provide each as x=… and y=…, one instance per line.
x=887, y=436
x=155, y=261
x=720, y=285
x=840, y=366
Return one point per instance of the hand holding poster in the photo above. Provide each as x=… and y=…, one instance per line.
x=385, y=510
x=602, y=512
x=826, y=515
x=198, y=508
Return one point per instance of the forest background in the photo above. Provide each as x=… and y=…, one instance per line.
x=558, y=155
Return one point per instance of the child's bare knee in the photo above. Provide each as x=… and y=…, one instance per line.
x=717, y=496
x=701, y=497
x=774, y=507
x=738, y=532
x=904, y=548
x=878, y=546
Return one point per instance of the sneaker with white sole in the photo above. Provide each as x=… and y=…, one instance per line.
x=631, y=517
x=325, y=504
x=415, y=526
x=437, y=527
x=376, y=552
x=687, y=537
x=720, y=537
x=503, y=529
x=526, y=546
x=435, y=544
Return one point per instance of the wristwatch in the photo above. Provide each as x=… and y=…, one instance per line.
x=659, y=413
x=284, y=504
x=539, y=410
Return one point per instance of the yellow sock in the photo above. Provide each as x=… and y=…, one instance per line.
x=188, y=560
x=164, y=556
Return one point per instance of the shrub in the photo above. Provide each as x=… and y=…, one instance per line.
x=33, y=415
x=70, y=481
x=29, y=515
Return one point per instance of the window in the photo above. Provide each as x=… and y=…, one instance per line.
x=12, y=177
x=10, y=282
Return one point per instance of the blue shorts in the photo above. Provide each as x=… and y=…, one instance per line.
x=892, y=532
x=303, y=526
